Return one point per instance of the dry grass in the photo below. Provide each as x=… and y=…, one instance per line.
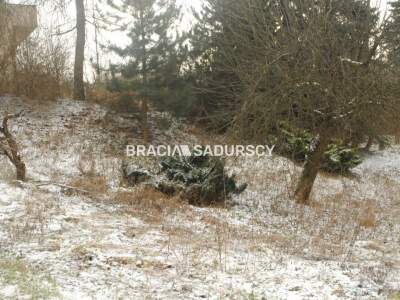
x=327, y=230
x=97, y=185
x=38, y=212
x=42, y=69
x=368, y=219
x=344, y=211
x=149, y=203
x=117, y=101
x=87, y=164
x=101, y=95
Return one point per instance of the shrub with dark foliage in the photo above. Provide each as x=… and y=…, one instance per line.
x=204, y=178
x=298, y=145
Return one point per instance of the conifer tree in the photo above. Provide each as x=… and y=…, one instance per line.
x=393, y=33
x=156, y=50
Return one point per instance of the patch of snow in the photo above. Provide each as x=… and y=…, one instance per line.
x=97, y=249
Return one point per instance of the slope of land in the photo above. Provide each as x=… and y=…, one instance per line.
x=74, y=232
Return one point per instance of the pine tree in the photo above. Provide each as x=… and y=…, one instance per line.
x=393, y=33
x=156, y=50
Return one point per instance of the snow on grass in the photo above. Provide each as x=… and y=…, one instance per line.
x=382, y=163
x=265, y=247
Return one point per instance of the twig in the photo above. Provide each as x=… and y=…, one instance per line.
x=63, y=186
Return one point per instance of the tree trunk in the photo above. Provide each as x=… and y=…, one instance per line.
x=96, y=41
x=13, y=57
x=397, y=138
x=310, y=172
x=79, y=87
x=369, y=143
x=382, y=144
x=21, y=169
x=146, y=130
x=11, y=150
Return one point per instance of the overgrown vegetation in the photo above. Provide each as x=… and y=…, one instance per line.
x=299, y=144
x=204, y=179
x=41, y=70
x=318, y=78
x=328, y=68
x=316, y=65
x=156, y=55
x=200, y=180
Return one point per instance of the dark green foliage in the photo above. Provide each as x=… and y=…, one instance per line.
x=155, y=56
x=298, y=145
x=393, y=33
x=295, y=143
x=216, y=86
x=177, y=96
x=340, y=159
x=113, y=84
x=204, y=178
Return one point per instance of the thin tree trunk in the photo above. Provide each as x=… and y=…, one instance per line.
x=397, y=138
x=381, y=143
x=310, y=172
x=146, y=131
x=79, y=87
x=21, y=170
x=96, y=41
x=11, y=150
x=13, y=58
x=369, y=143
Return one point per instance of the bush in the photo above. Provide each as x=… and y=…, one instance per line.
x=298, y=145
x=42, y=69
x=202, y=180
x=295, y=143
x=205, y=180
x=340, y=159
x=176, y=96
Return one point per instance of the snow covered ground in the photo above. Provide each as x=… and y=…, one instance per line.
x=104, y=241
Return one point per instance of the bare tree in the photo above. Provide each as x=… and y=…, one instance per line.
x=79, y=87
x=313, y=64
x=61, y=6
x=9, y=147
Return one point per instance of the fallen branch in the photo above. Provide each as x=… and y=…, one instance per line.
x=350, y=61
x=63, y=186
